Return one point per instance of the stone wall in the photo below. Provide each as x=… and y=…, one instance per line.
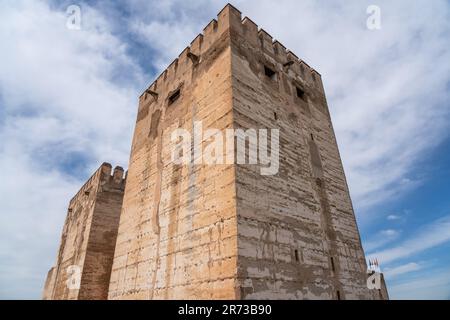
x=88, y=238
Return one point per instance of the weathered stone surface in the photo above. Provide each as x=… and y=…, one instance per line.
x=88, y=238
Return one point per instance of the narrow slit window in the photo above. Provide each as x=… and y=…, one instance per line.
x=174, y=96
x=338, y=295
x=275, y=116
x=332, y=264
x=300, y=93
x=312, y=137
x=296, y=255
x=270, y=73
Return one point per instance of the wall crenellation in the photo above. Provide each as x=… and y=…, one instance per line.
x=230, y=17
x=115, y=177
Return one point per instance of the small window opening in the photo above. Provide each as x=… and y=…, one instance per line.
x=296, y=255
x=275, y=116
x=270, y=73
x=332, y=264
x=338, y=295
x=174, y=97
x=312, y=137
x=300, y=93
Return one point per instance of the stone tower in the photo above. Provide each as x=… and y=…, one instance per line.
x=86, y=252
x=225, y=231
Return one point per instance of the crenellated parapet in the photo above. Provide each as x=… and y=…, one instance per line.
x=228, y=21
x=192, y=55
x=104, y=175
x=283, y=59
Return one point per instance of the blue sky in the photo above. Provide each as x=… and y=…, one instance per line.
x=68, y=101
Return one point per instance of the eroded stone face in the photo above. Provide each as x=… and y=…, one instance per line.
x=297, y=234
x=86, y=252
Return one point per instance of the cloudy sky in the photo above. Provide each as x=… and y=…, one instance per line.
x=68, y=101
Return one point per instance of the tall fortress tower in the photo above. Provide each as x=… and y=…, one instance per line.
x=226, y=231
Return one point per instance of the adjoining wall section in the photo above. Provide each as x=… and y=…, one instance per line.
x=88, y=239
x=177, y=233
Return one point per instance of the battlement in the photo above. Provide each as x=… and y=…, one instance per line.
x=104, y=174
x=288, y=61
x=229, y=19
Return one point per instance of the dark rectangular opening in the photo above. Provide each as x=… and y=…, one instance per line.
x=300, y=93
x=270, y=73
x=275, y=116
x=338, y=295
x=312, y=137
x=296, y=255
x=332, y=264
x=174, y=96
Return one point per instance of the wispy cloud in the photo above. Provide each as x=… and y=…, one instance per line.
x=429, y=236
x=64, y=110
x=381, y=239
x=392, y=217
x=399, y=270
x=424, y=286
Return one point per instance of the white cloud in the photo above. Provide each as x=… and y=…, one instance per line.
x=424, y=287
x=429, y=236
x=409, y=267
x=381, y=239
x=393, y=217
x=390, y=233
x=63, y=99
x=167, y=27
